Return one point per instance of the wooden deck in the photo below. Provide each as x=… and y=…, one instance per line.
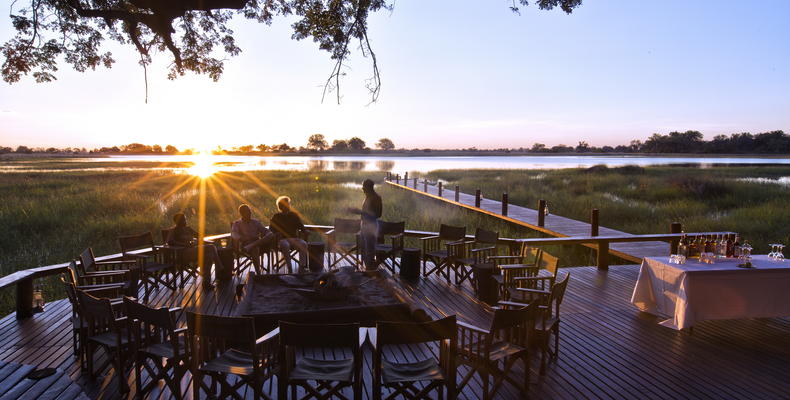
x=608, y=348
x=554, y=225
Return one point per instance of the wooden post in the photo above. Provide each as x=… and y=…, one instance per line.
x=675, y=227
x=541, y=212
x=397, y=179
x=457, y=194
x=425, y=185
x=24, y=298
x=388, y=177
x=440, y=189
x=504, y=204
x=603, y=255
x=477, y=198
x=415, y=183
x=406, y=178
x=594, y=222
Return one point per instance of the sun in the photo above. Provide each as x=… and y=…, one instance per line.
x=203, y=166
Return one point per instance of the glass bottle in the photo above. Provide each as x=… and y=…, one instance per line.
x=730, y=243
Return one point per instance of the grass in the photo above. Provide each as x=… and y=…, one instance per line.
x=50, y=217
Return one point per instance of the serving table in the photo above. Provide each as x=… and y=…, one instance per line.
x=694, y=291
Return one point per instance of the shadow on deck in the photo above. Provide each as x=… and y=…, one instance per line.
x=608, y=348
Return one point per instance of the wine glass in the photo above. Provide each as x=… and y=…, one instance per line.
x=772, y=254
x=779, y=255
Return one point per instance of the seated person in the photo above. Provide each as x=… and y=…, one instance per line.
x=251, y=235
x=286, y=224
x=183, y=236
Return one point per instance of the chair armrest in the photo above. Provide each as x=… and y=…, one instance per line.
x=116, y=262
x=109, y=292
x=429, y=238
x=267, y=344
x=516, y=267
x=533, y=278
x=509, y=305
x=176, y=309
x=534, y=291
x=179, y=331
x=463, y=325
x=481, y=249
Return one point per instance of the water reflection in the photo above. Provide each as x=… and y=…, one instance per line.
x=381, y=163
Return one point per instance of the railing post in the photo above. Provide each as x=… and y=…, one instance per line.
x=415, y=183
x=397, y=179
x=24, y=298
x=541, y=212
x=457, y=194
x=675, y=227
x=425, y=185
x=603, y=255
x=594, y=222
x=477, y=198
x=406, y=178
x=440, y=189
x=504, y=204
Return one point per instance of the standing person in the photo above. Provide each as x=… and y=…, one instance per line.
x=369, y=229
x=286, y=224
x=251, y=235
x=182, y=235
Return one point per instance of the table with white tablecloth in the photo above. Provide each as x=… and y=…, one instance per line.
x=694, y=291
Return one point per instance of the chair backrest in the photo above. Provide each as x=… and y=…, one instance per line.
x=155, y=317
x=452, y=233
x=514, y=325
x=558, y=293
x=319, y=335
x=347, y=226
x=87, y=260
x=212, y=335
x=166, y=234
x=71, y=293
x=391, y=228
x=485, y=236
x=135, y=242
x=549, y=263
x=72, y=274
x=530, y=254
x=98, y=313
x=415, y=332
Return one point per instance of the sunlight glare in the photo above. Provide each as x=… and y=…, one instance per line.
x=203, y=165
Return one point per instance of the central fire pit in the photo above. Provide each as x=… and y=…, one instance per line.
x=342, y=296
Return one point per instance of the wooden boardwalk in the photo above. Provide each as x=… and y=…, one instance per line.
x=609, y=350
x=554, y=225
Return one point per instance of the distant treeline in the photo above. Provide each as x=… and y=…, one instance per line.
x=774, y=142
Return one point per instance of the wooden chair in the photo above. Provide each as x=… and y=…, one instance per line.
x=221, y=347
x=160, y=346
x=484, y=246
x=402, y=377
x=89, y=265
x=155, y=264
x=330, y=376
x=279, y=259
x=548, y=322
x=264, y=264
x=390, y=244
x=504, y=342
x=524, y=289
x=108, y=331
x=524, y=263
x=442, y=250
x=126, y=280
x=174, y=254
x=343, y=242
x=79, y=325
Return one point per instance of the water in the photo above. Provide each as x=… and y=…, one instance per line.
x=388, y=163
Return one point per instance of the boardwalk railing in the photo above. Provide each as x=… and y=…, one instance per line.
x=23, y=280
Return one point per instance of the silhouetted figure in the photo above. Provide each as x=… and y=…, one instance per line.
x=369, y=229
x=286, y=224
x=182, y=235
x=251, y=235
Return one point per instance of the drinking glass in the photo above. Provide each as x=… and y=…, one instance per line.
x=779, y=255
x=772, y=254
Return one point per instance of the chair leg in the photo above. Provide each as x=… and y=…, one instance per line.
x=556, y=339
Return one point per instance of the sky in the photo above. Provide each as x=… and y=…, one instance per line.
x=455, y=74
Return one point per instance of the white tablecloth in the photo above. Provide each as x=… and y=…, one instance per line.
x=696, y=292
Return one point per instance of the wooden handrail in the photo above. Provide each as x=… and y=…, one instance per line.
x=24, y=279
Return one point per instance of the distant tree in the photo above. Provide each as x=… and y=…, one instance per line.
x=561, y=148
x=538, y=148
x=356, y=144
x=583, y=147
x=246, y=149
x=635, y=146
x=339, y=145
x=170, y=149
x=52, y=150
x=156, y=148
x=385, y=144
x=282, y=148
x=23, y=150
x=135, y=148
x=263, y=148
x=5, y=150
x=317, y=142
